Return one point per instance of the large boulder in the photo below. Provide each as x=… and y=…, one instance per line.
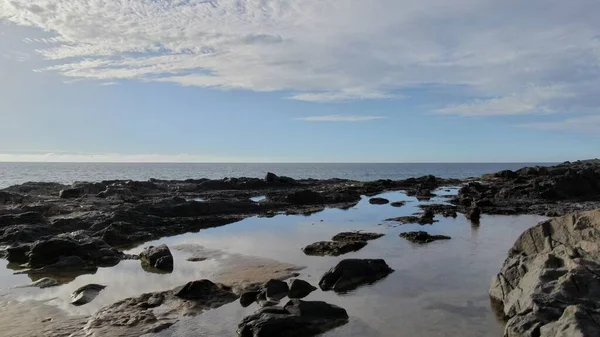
x=92, y=250
x=549, y=285
x=296, y=319
x=352, y=273
x=159, y=257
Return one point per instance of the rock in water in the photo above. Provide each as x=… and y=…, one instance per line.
x=378, y=201
x=474, y=214
x=45, y=282
x=296, y=319
x=333, y=248
x=195, y=290
x=422, y=237
x=352, y=273
x=300, y=289
x=86, y=294
x=549, y=284
x=159, y=257
x=356, y=236
x=398, y=203
x=276, y=289
x=248, y=298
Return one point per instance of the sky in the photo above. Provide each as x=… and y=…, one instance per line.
x=299, y=81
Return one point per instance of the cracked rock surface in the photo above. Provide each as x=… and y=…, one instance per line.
x=549, y=285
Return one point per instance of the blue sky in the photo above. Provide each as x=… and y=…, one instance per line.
x=301, y=81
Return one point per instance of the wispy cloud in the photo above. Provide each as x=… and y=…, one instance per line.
x=332, y=51
x=587, y=124
x=339, y=118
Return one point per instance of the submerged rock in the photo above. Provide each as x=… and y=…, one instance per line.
x=422, y=237
x=300, y=288
x=378, y=201
x=86, y=294
x=427, y=218
x=296, y=319
x=549, y=284
x=159, y=257
x=333, y=248
x=398, y=203
x=352, y=273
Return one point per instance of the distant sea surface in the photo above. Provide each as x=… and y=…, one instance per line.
x=18, y=173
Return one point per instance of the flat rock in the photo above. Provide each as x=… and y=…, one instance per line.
x=549, y=284
x=351, y=273
x=296, y=319
x=422, y=237
x=398, y=203
x=333, y=248
x=378, y=201
x=356, y=236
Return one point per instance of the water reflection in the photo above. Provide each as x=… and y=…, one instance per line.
x=437, y=289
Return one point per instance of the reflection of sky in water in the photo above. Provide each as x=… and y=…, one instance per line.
x=439, y=289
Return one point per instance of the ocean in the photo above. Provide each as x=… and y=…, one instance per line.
x=67, y=173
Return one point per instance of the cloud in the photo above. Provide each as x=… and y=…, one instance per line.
x=509, y=57
x=587, y=124
x=338, y=118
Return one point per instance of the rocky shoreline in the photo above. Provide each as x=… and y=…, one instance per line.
x=48, y=228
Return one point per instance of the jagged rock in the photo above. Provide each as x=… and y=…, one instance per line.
x=296, y=319
x=352, y=273
x=86, y=294
x=378, y=201
x=18, y=253
x=356, y=236
x=300, y=288
x=271, y=177
x=263, y=301
x=70, y=193
x=422, y=237
x=159, y=257
x=549, y=285
x=21, y=218
x=333, y=248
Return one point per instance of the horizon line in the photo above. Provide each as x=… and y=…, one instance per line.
x=283, y=162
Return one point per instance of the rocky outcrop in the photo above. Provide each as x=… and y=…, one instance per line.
x=296, y=319
x=422, y=237
x=154, y=312
x=549, y=285
x=352, y=273
x=553, y=190
x=158, y=257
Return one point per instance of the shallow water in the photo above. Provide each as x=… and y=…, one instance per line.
x=437, y=289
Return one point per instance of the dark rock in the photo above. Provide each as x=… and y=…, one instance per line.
x=398, y=203
x=21, y=219
x=18, y=253
x=195, y=290
x=296, y=319
x=427, y=218
x=473, y=214
x=12, y=198
x=300, y=288
x=263, y=301
x=70, y=193
x=422, y=237
x=333, y=248
x=352, y=273
x=356, y=236
x=271, y=177
x=276, y=289
x=424, y=193
x=247, y=298
x=305, y=197
x=159, y=257
x=94, y=251
x=197, y=259
x=378, y=201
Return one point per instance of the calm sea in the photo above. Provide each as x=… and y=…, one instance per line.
x=18, y=173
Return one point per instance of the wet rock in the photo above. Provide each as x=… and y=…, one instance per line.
x=86, y=294
x=45, y=282
x=137, y=316
x=263, y=301
x=21, y=218
x=271, y=177
x=427, y=218
x=70, y=193
x=67, y=264
x=474, y=214
x=12, y=198
x=378, y=201
x=276, y=289
x=443, y=209
x=249, y=297
x=92, y=250
x=195, y=290
x=18, y=253
x=300, y=288
x=333, y=248
x=197, y=259
x=352, y=273
x=356, y=236
x=424, y=194
x=297, y=318
x=398, y=203
x=159, y=257
x=549, y=285
x=305, y=197
x=422, y=237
